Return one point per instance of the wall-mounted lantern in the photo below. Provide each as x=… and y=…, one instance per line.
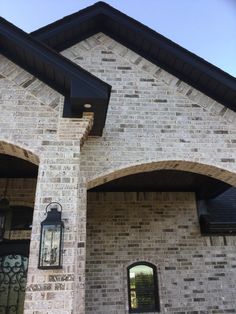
x=4, y=208
x=51, y=236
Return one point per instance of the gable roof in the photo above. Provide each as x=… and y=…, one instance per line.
x=38, y=54
x=156, y=48
x=77, y=85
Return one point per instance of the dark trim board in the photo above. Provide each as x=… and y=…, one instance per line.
x=77, y=85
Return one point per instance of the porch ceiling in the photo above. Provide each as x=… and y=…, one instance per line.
x=13, y=167
x=167, y=180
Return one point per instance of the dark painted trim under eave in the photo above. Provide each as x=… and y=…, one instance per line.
x=77, y=85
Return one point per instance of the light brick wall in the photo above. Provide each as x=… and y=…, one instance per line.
x=154, y=122
x=31, y=112
x=152, y=117
x=196, y=274
x=31, y=127
x=52, y=291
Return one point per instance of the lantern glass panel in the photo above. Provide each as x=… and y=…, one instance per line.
x=50, y=246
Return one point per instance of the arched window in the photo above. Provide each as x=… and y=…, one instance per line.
x=143, y=288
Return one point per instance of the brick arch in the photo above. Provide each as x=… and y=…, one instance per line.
x=195, y=167
x=19, y=152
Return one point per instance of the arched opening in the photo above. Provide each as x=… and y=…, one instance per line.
x=152, y=214
x=208, y=170
x=166, y=180
x=13, y=150
x=18, y=177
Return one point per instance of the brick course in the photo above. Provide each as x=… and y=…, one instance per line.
x=196, y=274
x=154, y=121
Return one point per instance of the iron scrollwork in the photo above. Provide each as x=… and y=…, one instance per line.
x=13, y=274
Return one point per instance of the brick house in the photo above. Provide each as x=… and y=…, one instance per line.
x=136, y=138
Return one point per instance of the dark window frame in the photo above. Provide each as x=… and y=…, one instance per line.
x=156, y=290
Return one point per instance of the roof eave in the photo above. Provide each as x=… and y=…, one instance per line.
x=79, y=86
x=161, y=51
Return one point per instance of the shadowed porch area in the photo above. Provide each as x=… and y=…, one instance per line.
x=153, y=218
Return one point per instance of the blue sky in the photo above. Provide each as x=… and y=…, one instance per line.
x=205, y=27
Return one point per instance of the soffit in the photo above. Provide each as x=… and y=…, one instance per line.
x=166, y=181
x=13, y=167
x=77, y=85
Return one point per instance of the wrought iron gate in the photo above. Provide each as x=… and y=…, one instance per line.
x=13, y=273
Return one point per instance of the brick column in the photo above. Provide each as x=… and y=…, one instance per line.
x=79, y=300
x=59, y=291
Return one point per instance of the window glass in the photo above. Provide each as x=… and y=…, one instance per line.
x=142, y=288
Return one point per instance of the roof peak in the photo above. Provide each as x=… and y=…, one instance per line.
x=46, y=28
x=101, y=17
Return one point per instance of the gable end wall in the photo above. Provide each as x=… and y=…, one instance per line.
x=152, y=116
